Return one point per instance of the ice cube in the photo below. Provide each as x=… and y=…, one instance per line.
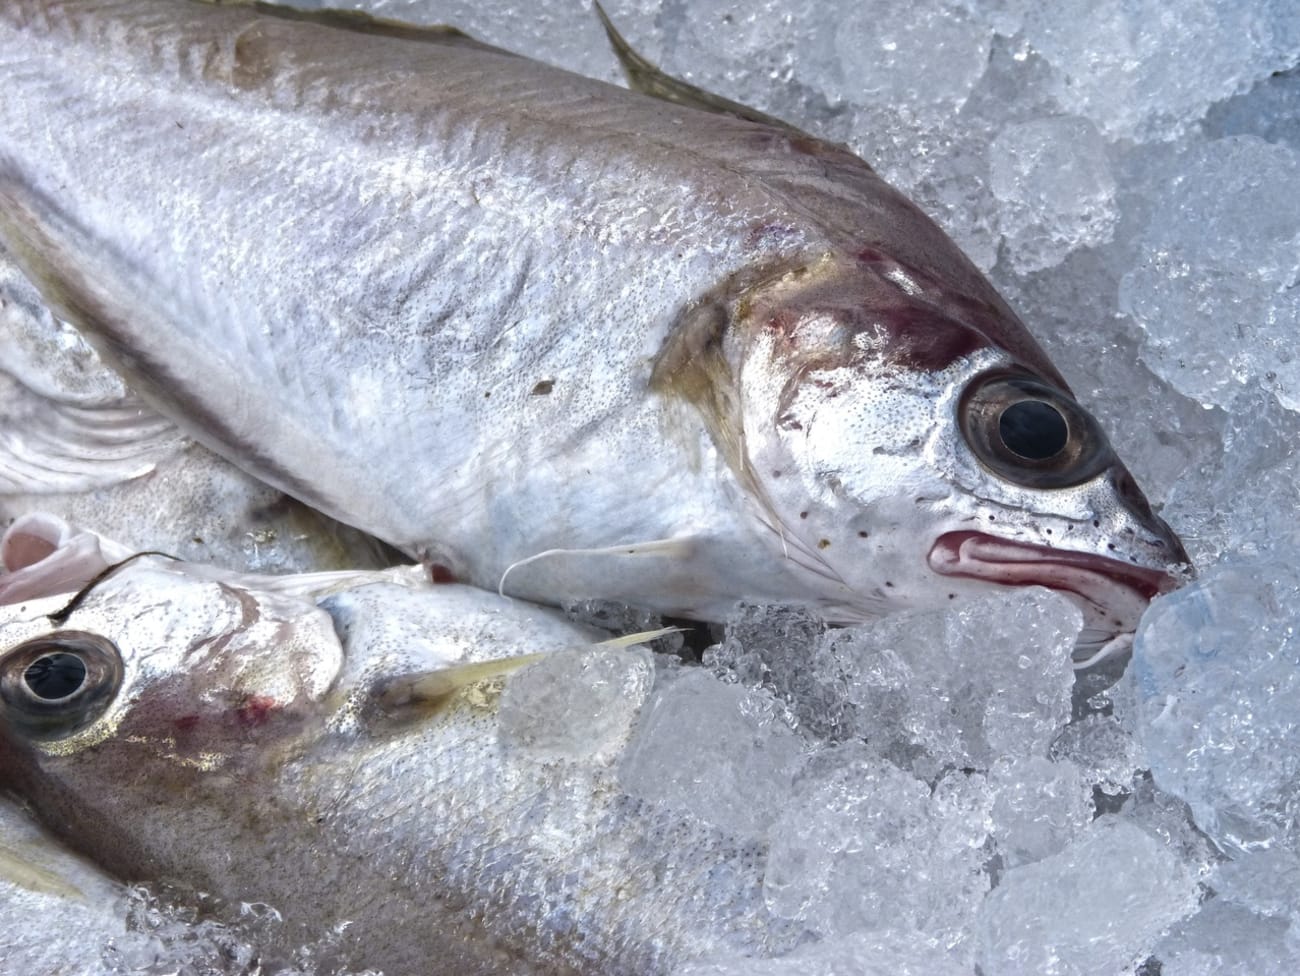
x=1098, y=906
x=715, y=750
x=1218, y=671
x=883, y=953
x=1105, y=753
x=1214, y=286
x=1148, y=70
x=1243, y=495
x=921, y=58
x=863, y=845
x=1270, y=110
x=966, y=686
x=1223, y=939
x=576, y=704
x=1039, y=806
x=1053, y=179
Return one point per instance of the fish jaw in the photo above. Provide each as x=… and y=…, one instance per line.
x=1111, y=594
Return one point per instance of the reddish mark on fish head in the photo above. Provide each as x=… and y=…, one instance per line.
x=186, y=723
x=255, y=711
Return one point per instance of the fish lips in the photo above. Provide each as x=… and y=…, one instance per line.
x=1112, y=593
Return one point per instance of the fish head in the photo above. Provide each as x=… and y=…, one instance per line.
x=907, y=446
x=150, y=666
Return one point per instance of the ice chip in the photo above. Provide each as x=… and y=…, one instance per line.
x=1098, y=906
x=864, y=845
x=1218, y=671
x=715, y=750
x=1039, y=806
x=1223, y=939
x=967, y=686
x=575, y=704
x=1218, y=264
x=1054, y=182
x=1146, y=69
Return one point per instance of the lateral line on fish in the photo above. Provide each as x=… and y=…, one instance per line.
x=656, y=547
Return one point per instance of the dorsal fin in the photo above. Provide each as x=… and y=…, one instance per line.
x=648, y=79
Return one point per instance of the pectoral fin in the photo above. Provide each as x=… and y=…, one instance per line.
x=23, y=872
x=413, y=695
x=48, y=447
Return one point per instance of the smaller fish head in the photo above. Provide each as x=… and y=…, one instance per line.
x=907, y=459
x=156, y=678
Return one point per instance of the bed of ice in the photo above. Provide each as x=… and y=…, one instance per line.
x=941, y=794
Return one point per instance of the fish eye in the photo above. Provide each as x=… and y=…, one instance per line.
x=57, y=684
x=1031, y=433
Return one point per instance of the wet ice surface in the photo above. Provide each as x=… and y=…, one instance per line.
x=934, y=790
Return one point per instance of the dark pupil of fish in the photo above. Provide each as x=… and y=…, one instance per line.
x=55, y=676
x=1033, y=429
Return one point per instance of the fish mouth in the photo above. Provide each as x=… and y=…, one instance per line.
x=1111, y=593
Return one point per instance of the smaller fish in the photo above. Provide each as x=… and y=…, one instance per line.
x=430, y=767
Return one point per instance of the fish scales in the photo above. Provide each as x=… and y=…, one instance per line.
x=554, y=335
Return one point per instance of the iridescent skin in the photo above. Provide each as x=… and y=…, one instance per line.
x=256, y=749
x=555, y=336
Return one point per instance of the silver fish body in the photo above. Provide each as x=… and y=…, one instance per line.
x=76, y=443
x=555, y=336
x=273, y=740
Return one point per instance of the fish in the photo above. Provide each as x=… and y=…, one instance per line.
x=547, y=335
x=76, y=443
x=429, y=769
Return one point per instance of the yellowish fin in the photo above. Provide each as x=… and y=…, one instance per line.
x=19, y=871
x=428, y=690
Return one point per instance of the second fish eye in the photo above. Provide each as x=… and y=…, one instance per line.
x=1031, y=433
x=55, y=685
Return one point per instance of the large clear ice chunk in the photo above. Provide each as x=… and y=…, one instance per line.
x=1098, y=906
x=1218, y=671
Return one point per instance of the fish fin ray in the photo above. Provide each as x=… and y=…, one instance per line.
x=647, y=78
x=55, y=447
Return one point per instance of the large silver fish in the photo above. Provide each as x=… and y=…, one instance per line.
x=545, y=333
x=319, y=742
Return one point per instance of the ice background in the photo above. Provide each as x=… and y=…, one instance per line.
x=940, y=793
